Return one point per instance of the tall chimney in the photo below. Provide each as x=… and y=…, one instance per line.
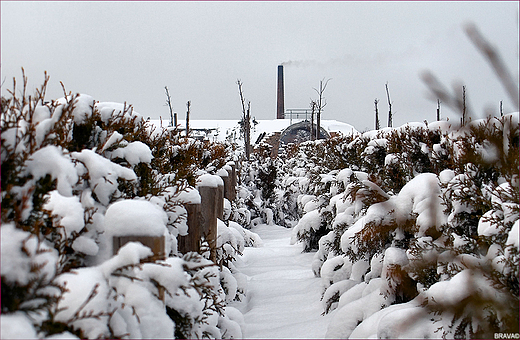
x=280, y=100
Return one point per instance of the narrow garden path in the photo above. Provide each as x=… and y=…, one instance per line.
x=283, y=298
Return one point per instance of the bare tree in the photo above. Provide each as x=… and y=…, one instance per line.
x=246, y=120
x=247, y=126
x=173, y=115
x=320, y=104
x=188, y=104
x=389, y=106
x=438, y=109
x=377, y=114
x=313, y=111
x=464, y=117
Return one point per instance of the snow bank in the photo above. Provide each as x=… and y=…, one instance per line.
x=401, y=321
x=348, y=317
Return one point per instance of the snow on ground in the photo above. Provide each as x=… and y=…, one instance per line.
x=283, y=295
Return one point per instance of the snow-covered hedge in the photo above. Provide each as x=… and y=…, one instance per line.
x=75, y=173
x=416, y=228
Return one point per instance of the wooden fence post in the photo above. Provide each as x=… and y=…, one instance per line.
x=228, y=175
x=208, y=196
x=202, y=218
x=224, y=173
x=233, y=175
x=155, y=243
x=219, y=200
x=191, y=242
x=211, y=190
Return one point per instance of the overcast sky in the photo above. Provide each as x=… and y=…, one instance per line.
x=129, y=51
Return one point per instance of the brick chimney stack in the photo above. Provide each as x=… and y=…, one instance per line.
x=280, y=100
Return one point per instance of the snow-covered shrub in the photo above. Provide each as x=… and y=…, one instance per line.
x=76, y=172
x=231, y=240
x=317, y=186
x=248, y=204
x=260, y=197
x=28, y=270
x=423, y=210
x=409, y=152
x=308, y=230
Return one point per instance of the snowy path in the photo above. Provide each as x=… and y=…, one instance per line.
x=283, y=295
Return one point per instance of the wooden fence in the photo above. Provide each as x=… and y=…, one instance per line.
x=201, y=219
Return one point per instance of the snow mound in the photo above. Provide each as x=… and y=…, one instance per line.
x=135, y=218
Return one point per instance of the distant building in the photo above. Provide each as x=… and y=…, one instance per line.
x=277, y=133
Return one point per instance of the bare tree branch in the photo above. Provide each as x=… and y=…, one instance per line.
x=377, y=114
x=389, y=105
x=169, y=103
x=493, y=57
x=440, y=92
x=320, y=104
x=246, y=119
x=188, y=105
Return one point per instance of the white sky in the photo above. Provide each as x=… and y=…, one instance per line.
x=128, y=51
